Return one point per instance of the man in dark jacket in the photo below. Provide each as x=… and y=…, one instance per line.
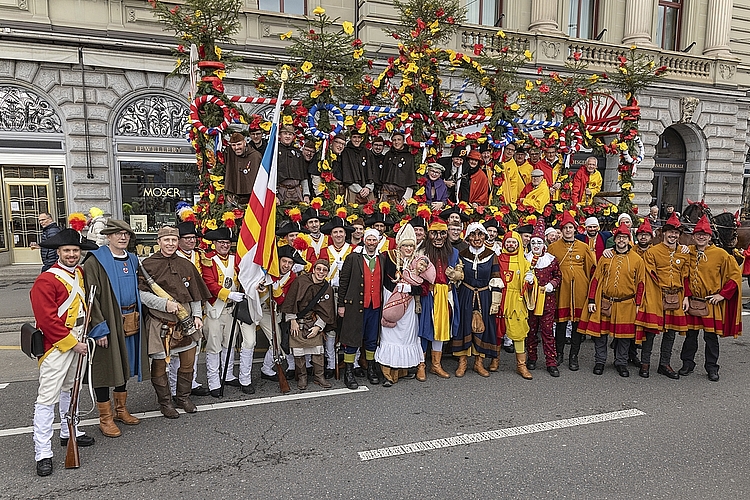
x=49, y=229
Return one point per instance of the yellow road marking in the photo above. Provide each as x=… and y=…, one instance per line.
x=13, y=347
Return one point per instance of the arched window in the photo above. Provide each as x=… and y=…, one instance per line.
x=25, y=111
x=671, y=146
x=153, y=116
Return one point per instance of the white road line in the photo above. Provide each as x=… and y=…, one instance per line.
x=744, y=313
x=3, y=386
x=216, y=406
x=479, y=437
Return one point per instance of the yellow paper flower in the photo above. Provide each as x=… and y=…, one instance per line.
x=266, y=126
x=411, y=201
x=306, y=66
x=319, y=11
x=594, y=78
x=559, y=207
x=407, y=99
x=419, y=192
x=217, y=51
x=631, y=196
x=287, y=120
x=339, y=200
x=198, y=13
x=349, y=121
x=627, y=185
x=286, y=35
x=211, y=223
x=606, y=211
x=389, y=126
x=623, y=146
x=527, y=54
x=529, y=85
x=500, y=33
x=614, y=209
x=514, y=107
x=358, y=53
x=315, y=93
x=348, y=27
x=211, y=197
x=422, y=168
x=403, y=116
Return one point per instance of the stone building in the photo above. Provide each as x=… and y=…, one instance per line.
x=90, y=117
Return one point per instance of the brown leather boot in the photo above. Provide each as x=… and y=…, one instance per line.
x=436, y=367
x=421, y=372
x=121, y=412
x=319, y=371
x=182, y=395
x=301, y=371
x=495, y=364
x=521, y=368
x=161, y=386
x=106, y=424
x=463, y=364
x=479, y=366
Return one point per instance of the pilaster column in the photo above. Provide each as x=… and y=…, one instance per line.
x=638, y=20
x=717, y=28
x=544, y=16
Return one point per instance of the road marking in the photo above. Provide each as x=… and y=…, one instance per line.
x=745, y=313
x=10, y=347
x=479, y=437
x=215, y=406
x=3, y=386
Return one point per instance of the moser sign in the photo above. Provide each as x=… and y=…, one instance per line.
x=162, y=192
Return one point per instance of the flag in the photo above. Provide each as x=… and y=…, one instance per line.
x=256, y=246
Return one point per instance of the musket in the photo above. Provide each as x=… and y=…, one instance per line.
x=72, y=457
x=230, y=355
x=183, y=316
x=283, y=382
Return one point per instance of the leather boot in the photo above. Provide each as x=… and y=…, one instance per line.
x=495, y=364
x=387, y=376
x=182, y=397
x=161, y=387
x=436, y=367
x=463, y=363
x=372, y=373
x=349, y=380
x=106, y=424
x=319, y=371
x=521, y=368
x=299, y=368
x=479, y=366
x=421, y=372
x=121, y=412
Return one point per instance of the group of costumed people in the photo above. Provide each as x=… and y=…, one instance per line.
x=441, y=286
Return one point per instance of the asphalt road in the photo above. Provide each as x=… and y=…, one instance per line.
x=688, y=439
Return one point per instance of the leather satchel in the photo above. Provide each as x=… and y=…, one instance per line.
x=697, y=307
x=32, y=341
x=241, y=312
x=606, y=307
x=131, y=323
x=670, y=301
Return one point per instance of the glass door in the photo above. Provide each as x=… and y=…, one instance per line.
x=667, y=189
x=26, y=200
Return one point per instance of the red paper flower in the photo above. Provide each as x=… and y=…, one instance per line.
x=478, y=48
x=300, y=243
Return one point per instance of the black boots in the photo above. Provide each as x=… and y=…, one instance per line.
x=349, y=380
x=372, y=373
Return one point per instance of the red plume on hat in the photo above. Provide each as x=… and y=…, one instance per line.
x=674, y=222
x=539, y=229
x=568, y=219
x=621, y=229
x=645, y=227
x=703, y=226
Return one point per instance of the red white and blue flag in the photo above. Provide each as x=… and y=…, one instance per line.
x=256, y=246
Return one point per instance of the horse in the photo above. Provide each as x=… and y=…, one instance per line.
x=725, y=228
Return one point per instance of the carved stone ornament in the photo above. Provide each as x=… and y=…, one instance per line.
x=551, y=49
x=687, y=108
x=727, y=71
x=24, y=111
x=153, y=116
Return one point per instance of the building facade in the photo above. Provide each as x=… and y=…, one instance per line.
x=89, y=115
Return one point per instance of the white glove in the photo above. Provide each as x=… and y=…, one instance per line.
x=549, y=288
x=236, y=296
x=529, y=278
x=500, y=284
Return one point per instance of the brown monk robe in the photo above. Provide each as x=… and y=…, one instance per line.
x=242, y=164
x=179, y=278
x=307, y=328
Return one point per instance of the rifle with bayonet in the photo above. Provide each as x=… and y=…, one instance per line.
x=72, y=457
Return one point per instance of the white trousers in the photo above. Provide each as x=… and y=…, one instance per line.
x=56, y=377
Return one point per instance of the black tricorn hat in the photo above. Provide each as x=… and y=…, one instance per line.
x=223, y=233
x=459, y=152
x=525, y=229
x=288, y=251
x=69, y=237
x=311, y=213
x=491, y=223
x=379, y=217
x=454, y=210
x=291, y=227
x=418, y=222
x=187, y=228
x=334, y=223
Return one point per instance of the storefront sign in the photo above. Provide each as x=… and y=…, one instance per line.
x=666, y=164
x=162, y=192
x=153, y=149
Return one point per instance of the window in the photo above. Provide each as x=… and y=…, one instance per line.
x=582, y=22
x=486, y=12
x=285, y=6
x=668, y=24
